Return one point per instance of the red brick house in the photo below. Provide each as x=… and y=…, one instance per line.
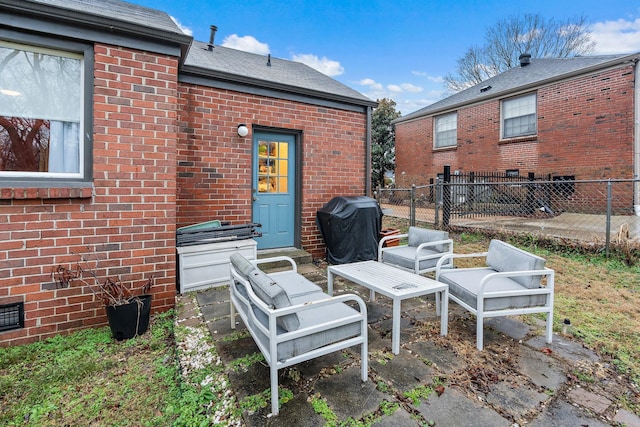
x=577, y=117
x=116, y=128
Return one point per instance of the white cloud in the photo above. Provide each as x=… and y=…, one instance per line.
x=401, y=93
x=188, y=31
x=434, y=79
x=373, y=85
x=246, y=44
x=324, y=64
x=404, y=87
x=619, y=36
x=408, y=87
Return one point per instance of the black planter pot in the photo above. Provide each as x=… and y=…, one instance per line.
x=128, y=320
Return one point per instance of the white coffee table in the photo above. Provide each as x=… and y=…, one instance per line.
x=396, y=284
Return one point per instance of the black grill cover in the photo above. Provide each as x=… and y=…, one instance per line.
x=350, y=227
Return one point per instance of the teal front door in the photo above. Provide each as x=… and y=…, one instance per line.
x=273, y=189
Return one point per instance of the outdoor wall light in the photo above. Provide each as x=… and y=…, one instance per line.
x=243, y=130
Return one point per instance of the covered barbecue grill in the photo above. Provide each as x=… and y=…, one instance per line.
x=350, y=227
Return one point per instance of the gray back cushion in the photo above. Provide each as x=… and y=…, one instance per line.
x=242, y=265
x=504, y=257
x=418, y=235
x=274, y=296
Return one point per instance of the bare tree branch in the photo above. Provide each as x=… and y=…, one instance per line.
x=508, y=38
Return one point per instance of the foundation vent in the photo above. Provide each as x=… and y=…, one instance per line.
x=11, y=316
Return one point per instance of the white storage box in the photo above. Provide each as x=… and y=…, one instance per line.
x=205, y=266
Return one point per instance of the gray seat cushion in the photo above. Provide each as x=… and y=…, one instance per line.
x=465, y=284
x=294, y=284
x=313, y=317
x=505, y=257
x=405, y=256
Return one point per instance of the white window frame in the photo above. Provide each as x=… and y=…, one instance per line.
x=445, y=130
x=519, y=116
x=84, y=128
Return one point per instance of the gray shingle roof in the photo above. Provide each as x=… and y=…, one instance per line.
x=250, y=68
x=539, y=72
x=112, y=14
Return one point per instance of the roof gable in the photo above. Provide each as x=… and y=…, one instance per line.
x=265, y=71
x=539, y=72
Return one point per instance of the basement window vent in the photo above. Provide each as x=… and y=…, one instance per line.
x=11, y=316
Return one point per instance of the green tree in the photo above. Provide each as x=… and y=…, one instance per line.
x=508, y=38
x=383, y=140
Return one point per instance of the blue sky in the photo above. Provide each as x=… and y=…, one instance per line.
x=387, y=49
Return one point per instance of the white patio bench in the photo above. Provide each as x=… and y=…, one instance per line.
x=291, y=319
x=510, y=284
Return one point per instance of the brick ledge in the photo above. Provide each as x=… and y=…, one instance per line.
x=23, y=193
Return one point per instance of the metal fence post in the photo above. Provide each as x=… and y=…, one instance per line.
x=446, y=197
x=608, y=230
x=412, y=206
x=437, y=201
x=530, y=197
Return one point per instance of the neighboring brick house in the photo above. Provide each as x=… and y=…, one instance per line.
x=132, y=131
x=573, y=117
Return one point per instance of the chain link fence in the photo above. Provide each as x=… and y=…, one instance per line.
x=596, y=215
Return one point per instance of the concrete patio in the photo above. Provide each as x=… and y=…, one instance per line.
x=517, y=380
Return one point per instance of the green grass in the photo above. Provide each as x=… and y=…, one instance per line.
x=87, y=378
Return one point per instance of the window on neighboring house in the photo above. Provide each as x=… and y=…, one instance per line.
x=519, y=116
x=42, y=114
x=446, y=130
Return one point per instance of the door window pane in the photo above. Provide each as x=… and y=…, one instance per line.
x=273, y=167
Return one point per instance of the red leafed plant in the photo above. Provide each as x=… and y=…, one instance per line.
x=111, y=290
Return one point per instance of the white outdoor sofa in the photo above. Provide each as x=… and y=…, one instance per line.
x=291, y=319
x=511, y=283
x=420, y=252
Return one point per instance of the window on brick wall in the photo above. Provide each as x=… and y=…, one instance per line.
x=519, y=116
x=42, y=114
x=446, y=130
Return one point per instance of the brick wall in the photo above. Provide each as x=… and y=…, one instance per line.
x=585, y=129
x=214, y=163
x=130, y=217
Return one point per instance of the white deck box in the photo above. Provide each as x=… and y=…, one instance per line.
x=206, y=266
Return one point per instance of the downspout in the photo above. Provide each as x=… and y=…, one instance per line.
x=636, y=139
x=367, y=165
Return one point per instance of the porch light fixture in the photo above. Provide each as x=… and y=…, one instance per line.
x=243, y=130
